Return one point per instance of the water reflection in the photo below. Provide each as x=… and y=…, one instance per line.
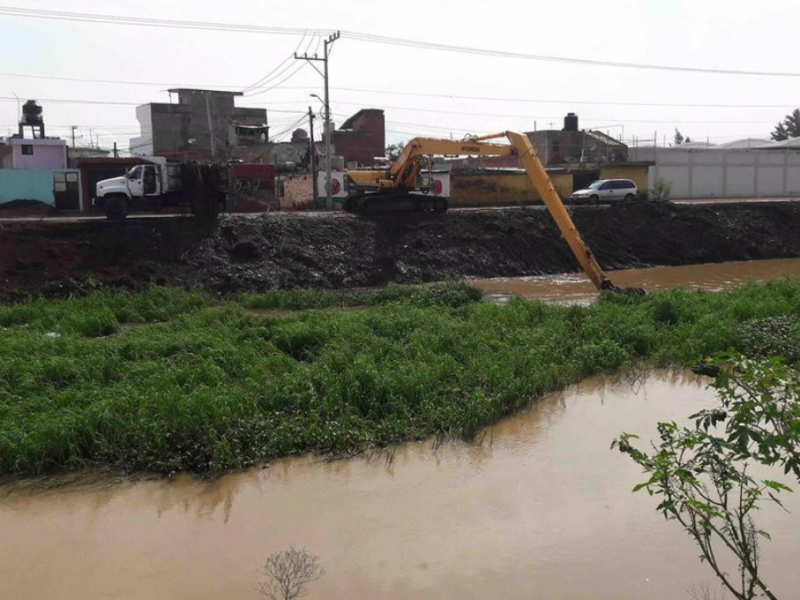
x=539, y=509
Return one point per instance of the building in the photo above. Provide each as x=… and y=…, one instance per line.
x=361, y=138
x=572, y=145
x=78, y=153
x=25, y=153
x=203, y=125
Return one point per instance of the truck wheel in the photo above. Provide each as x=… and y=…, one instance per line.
x=440, y=205
x=116, y=208
x=630, y=198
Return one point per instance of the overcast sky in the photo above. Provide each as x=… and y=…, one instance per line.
x=720, y=34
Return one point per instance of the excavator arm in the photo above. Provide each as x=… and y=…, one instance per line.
x=404, y=171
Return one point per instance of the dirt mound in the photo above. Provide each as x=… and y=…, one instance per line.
x=25, y=208
x=290, y=250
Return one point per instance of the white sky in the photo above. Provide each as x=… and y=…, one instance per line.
x=721, y=34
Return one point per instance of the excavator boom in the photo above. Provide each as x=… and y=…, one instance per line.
x=401, y=180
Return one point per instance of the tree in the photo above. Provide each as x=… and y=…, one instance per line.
x=678, y=137
x=393, y=151
x=288, y=573
x=701, y=474
x=788, y=128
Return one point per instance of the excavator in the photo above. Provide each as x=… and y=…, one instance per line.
x=405, y=186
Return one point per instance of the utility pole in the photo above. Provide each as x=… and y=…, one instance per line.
x=324, y=60
x=116, y=152
x=313, y=155
x=74, y=127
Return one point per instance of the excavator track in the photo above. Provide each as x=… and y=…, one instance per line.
x=395, y=203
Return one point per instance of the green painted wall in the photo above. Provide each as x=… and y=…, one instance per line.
x=26, y=184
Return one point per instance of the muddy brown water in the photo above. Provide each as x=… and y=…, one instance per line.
x=574, y=288
x=542, y=508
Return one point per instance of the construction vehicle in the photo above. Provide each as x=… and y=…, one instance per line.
x=406, y=186
x=200, y=187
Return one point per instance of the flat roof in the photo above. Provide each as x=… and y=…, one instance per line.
x=198, y=91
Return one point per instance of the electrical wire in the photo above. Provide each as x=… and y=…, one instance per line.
x=299, y=68
x=272, y=76
x=370, y=38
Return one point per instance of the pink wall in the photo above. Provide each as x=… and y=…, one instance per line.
x=47, y=154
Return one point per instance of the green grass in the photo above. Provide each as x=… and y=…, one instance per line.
x=209, y=387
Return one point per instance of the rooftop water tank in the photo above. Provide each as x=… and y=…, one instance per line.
x=571, y=122
x=32, y=113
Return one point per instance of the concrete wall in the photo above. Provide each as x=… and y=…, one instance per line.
x=501, y=189
x=726, y=173
x=296, y=192
x=639, y=174
x=26, y=184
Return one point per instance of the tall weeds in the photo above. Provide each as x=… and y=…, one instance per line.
x=208, y=387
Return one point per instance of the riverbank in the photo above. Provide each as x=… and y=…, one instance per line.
x=338, y=251
x=167, y=380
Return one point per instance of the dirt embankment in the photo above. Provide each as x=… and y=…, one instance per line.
x=290, y=250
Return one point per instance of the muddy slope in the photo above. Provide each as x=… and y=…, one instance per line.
x=287, y=250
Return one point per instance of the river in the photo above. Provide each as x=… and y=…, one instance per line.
x=575, y=288
x=540, y=508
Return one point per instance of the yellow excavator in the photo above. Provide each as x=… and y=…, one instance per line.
x=406, y=186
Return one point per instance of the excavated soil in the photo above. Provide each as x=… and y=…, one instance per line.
x=256, y=253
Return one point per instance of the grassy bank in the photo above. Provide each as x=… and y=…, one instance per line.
x=207, y=386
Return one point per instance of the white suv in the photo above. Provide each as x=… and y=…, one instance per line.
x=607, y=190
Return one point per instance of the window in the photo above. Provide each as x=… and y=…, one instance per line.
x=608, y=185
x=27, y=149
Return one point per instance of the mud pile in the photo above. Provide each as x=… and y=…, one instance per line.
x=336, y=251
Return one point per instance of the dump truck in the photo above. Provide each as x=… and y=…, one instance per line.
x=202, y=188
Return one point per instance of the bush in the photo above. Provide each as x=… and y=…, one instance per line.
x=660, y=191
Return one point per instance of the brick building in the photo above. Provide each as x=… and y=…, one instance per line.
x=361, y=138
x=204, y=124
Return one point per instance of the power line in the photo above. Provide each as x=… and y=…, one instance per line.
x=272, y=75
x=412, y=94
x=559, y=59
x=150, y=22
x=117, y=82
x=363, y=37
x=539, y=101
x=482, y=114
x=117, y=103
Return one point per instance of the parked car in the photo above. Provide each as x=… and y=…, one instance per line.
x=607, y=190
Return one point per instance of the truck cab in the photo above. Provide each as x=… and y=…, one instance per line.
x=143, y=186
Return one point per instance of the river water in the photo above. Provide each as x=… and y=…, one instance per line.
x=540, y=508
x=575, y=288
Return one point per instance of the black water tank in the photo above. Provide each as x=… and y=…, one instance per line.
x=32, y=113
x=571, y=122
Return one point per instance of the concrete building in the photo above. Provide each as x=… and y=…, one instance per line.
x=25, y=153
x=361, y=138
x=203, y=125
